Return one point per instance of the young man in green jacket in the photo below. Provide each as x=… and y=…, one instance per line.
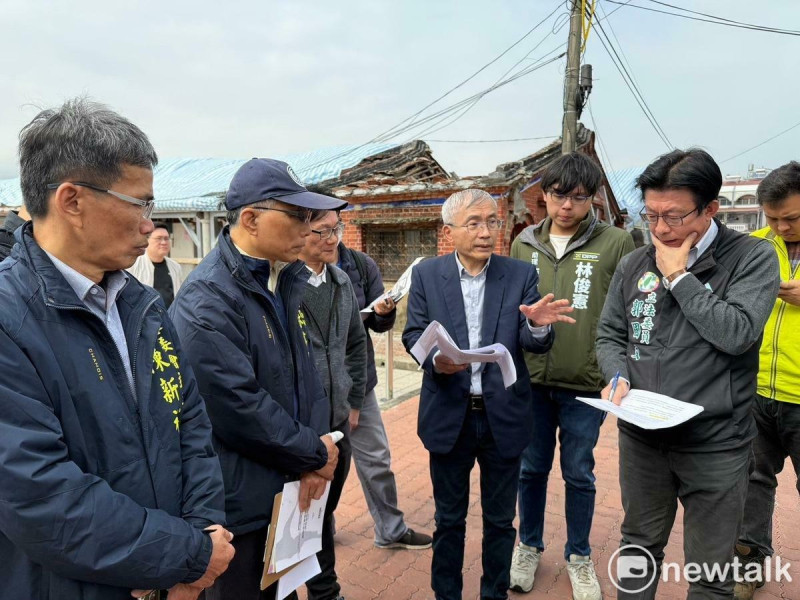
x=576, y=256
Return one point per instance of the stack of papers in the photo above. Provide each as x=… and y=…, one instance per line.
x=648, y=410
x=435, y=335
x=290, y=554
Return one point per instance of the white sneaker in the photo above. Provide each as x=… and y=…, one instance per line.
x=523, y=567
x=583, y=578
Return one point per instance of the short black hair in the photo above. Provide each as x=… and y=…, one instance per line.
x=572, y=171
x=162, y=225
x=779, y=184
x=693, y=170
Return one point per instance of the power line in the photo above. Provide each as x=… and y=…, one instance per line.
x=448, y=111
x=715, y=20
x=776, y=29
x=391, y=132
x=762, y=143
x=626, y=77
x=616, y=39
x=434, y=128
x=467, y=104
x=528, y=139
x=599, y=139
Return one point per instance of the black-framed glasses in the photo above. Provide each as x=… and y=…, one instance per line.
x=670, y=220
x=577, y=199
x=326, y=234
x=147, y=205
x=475, y=226
x=304, y=216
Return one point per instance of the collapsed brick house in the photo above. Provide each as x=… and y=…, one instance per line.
x=396, y=198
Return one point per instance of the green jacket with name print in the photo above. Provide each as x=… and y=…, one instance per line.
x=582, y=276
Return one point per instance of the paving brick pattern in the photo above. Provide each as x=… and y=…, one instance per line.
x=367, y=572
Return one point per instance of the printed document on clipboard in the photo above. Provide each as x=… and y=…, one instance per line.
x=293, y=536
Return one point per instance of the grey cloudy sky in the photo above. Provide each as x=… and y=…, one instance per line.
x=240, y=79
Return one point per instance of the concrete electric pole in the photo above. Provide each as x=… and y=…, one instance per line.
x=569, y=129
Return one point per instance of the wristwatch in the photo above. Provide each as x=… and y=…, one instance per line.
x=668, y=279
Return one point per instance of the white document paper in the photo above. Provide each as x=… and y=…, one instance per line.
x=298, y=535
x=648, y=410
x=436, y=335
x=400, y=289
x=297, y=576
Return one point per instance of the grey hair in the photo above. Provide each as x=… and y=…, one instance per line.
x=464, y=199
x=233, y=215
x=81, y=140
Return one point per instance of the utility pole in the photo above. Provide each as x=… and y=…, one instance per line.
x=569, y=130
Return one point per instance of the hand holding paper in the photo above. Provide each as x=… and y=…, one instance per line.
x=398, y=292
x=644, y=409
x=436, y=336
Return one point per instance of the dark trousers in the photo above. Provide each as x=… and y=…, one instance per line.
x=242, y=580
x=578, y=427
x=325, y=586
x=450, y=477
x=712, y=488
x=778, y=437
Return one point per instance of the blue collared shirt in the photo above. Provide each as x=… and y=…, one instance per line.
x=473, y=288
x=102, y=302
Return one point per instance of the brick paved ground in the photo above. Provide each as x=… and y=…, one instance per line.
x=367, y=572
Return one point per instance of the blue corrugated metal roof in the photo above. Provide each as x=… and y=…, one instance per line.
x=623, y=183
x=199, y=184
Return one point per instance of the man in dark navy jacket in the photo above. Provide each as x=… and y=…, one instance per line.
x=239, y=317
x=465, y=411
x=108, y=478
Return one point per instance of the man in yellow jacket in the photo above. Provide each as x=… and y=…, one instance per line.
x=777, y=405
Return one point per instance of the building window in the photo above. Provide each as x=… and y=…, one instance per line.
x=748, y=200
x=723, y=201
x=395, y=249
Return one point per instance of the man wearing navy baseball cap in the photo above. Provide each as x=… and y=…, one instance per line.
x=239, y=318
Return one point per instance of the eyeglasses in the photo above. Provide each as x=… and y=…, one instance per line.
x=304, y=216
x=560, y=198
x=326, y=234
x=670, y=220
x=160, y=239
x=147, y=205
x=475, y=226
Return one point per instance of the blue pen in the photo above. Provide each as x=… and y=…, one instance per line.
x=614, y=383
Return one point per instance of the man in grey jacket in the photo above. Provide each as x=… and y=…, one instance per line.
x=339, y=346
x=684, y=317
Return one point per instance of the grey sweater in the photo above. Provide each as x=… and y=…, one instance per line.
x=339, y=343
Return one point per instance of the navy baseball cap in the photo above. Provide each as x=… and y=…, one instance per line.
x=267, y=179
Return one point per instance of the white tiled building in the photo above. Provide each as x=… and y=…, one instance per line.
x=738, y=207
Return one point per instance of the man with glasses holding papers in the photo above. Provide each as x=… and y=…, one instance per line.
x=466, y=412
x=684, y=317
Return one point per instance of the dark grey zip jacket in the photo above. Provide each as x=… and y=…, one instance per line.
x=698, y=342
x=342, y=361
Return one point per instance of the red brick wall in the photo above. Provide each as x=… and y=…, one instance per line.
x=413, y=216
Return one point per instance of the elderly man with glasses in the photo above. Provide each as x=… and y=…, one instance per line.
x=339, y=344
x=110, y=484
x=684, y=317
x=466, y=413
x=247, y=337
